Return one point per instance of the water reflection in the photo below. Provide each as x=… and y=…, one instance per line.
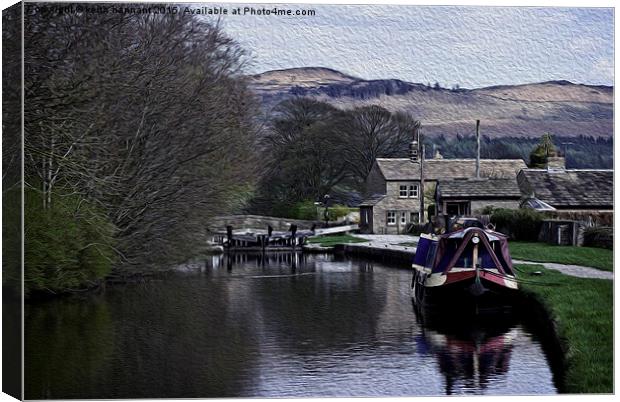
x=278, y=325
x=470, y=351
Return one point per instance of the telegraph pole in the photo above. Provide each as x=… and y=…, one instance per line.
x=421, y=195
x=477, y=149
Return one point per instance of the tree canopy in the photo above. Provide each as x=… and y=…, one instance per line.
x=146, y=118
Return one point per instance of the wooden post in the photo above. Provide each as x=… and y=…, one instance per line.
x=293, y=234
x=477, y=149
x=229, y=235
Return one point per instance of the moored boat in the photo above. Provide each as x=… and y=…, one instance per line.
x=467, y=267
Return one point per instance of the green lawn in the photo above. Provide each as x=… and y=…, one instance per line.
x=583, y=311
x=541, y=252
x=327, y=241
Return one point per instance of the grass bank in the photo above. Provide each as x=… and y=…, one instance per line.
x=327, y=241
x=582, y=310
x=541, y=252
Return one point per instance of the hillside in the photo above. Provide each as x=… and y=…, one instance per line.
x=559, y=107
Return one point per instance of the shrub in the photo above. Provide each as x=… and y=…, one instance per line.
x=338, y=211
x=519, y=224
x=67, y=246
x=601, y=236
x=11, y=238
x=305, y=210
x=416, y=228
x=487, y=210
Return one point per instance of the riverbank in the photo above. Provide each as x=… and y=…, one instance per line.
x=594, y=257
x=580, y=313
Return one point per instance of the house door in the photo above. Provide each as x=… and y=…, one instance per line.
x=459, y=208
x=366, y=220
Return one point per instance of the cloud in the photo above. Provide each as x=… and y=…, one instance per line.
x=474, y=46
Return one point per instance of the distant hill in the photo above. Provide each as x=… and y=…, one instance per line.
x=559, y=107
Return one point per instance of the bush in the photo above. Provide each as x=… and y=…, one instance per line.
x=519, y=224
x=416, y=229
x=602, y=236
x=67, y=246
x=11, y=239
x=487, y=210
x=305, y=210
x=338, y=211
x=309, y=211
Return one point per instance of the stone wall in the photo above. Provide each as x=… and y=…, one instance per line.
x=408, y=205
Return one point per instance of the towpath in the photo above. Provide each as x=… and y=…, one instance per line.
x=572, y=270
x=395, y=242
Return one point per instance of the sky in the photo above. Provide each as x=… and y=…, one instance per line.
x=470, y=46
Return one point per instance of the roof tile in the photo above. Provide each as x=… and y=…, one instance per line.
x=442, y=169
x=569, y=188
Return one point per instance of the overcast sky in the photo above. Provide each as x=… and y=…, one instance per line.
x=471, y=46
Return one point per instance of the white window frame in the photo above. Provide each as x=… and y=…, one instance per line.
x=403, y=188
x=391, y=218
x=413, y=188
x=403, y=217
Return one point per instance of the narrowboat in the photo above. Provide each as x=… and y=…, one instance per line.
x=468, y=267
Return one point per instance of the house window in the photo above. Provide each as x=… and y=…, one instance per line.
x=391, y=218
x=415, y=217
x=403, y=218
x=413, y=191
x=402, y=193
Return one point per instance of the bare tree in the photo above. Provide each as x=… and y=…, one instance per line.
x=148, y=116
x=376, y=133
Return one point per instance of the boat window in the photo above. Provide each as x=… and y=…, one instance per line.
x=430, y=256
x=466, y=257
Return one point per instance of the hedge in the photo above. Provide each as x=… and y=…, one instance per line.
x=519, y=224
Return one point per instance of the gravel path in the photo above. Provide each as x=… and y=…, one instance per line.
x=390, y=241
x=572, y=270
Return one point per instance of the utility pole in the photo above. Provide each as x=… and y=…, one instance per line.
x=421, y=195
x=477, y=149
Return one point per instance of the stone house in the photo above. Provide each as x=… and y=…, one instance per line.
x=394, y=197
x=570, y=190
x=470, y=196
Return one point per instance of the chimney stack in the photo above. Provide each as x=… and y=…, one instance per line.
x=556, y=163
x=477, y=149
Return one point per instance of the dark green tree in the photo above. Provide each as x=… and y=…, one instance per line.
x=542, y=151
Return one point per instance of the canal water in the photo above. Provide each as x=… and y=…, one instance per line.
x=284, y=325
